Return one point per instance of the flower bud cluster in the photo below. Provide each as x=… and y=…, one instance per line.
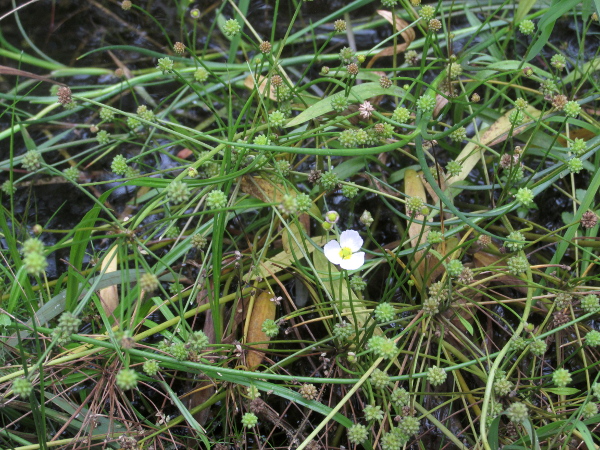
x=68, y=324
x=34, y=259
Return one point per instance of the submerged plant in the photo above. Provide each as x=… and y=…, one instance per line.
x=178, y=225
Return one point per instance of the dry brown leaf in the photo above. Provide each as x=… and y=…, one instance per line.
x=282, y=260
x=413, y=187
x=441, y=182
x=387, y=51
x=459, y=308
x=484, y=259
x=496, y=133
x=440, y=102
x=576, y=133
x=109, y=296
x=5, y=70
x=261, y=189
x=250, y=83
x=289, y=244
x=184, y=153
x=203, y=389
x=263, y=309
x=408, y=35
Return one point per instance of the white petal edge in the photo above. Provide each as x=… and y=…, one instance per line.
x=332, y=252
x=351, y=239
x=354, y=262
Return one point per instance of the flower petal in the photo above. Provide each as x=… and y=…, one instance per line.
x=354, y=262
x=332, y=252
x=351, y=239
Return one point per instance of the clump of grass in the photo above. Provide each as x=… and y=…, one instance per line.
x=235, y=234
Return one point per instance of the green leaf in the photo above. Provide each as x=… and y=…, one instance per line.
x=189, y=418
x=357, y=94
x=562, y=391
x=56, y=305
x=547, y=22
x=29, y=143
x=523, y=8
x=80, y=241
x=567, y=217
x=580, y=194
x=585, y=434
x=101, y=427
x=586, y=10
x=532, y=434
x=5, y=320
x=552, y=428
x=350, y=167
x=466, y=324
x=493, y=438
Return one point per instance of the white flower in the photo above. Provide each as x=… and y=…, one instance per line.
x=346, y=251
x=366, y=110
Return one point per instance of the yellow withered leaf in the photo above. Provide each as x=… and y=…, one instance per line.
x=262, y=310
x=408, y=35
x=496, y=133
x=413, y=187
x=261, y=83
x=346, y=300
x=260, y=188
x=109, y=296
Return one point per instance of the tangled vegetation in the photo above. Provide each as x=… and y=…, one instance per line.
x=310, y=225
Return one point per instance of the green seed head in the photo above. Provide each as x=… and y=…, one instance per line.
x=427, y=12
x=454, y=268
x=32, y=160
x=178, y=192
x=538, y=347
x=127, y=379
x=575, y=165
x=589, y=410
x=249, y=420
x=524, y=196
x=426, y=103
x=270, y=328
x=436, y=375
x=454, y=168
x=149, y=282
x=216, y=199
x=561, y=377
x=231, y=28
x=400, y=397
x=119, y=165
x=382, y=347
x=517, y=265
x=22, y=387
x=590, y=304
x=517, y=412
x=384, y=312
x=201, y=75
x=357, y=434
x=339, y=26
x=373, y=412
x=165, y=65
x=151, y=367
x=558, y=61
x=527, y=27
x=572, y=109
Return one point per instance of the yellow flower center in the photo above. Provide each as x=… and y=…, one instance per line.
x=346, y=253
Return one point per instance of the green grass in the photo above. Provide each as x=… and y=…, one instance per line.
x=193, y=209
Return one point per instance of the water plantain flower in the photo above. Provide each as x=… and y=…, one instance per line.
x=345, y=253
